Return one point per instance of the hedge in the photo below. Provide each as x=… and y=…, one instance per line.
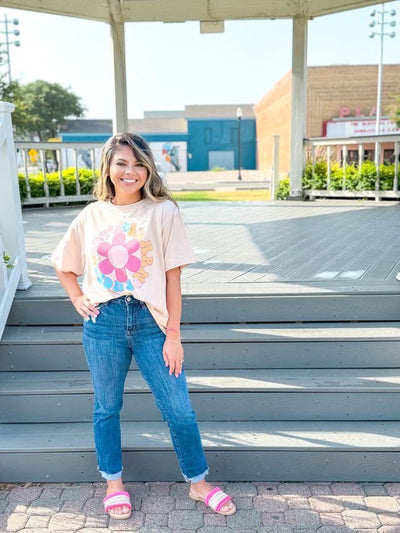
x=355, y=179
x=87, y=179
x=283, y=190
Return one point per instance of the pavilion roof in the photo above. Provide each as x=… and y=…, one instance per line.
x=185, y=10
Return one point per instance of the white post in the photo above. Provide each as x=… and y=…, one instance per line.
x=11, y=225
x=275, y=166
x=12, y=247
x=328, y=168
x=344, y=166
x=360, y=155
x=377, y=165
x=120, y=121
x=299, y=106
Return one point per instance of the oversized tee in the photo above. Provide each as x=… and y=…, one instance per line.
x=126, y=250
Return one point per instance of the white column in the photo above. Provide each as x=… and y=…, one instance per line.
x=120, y=119
x=11, y=226
x=275, y=165
x=299, y=105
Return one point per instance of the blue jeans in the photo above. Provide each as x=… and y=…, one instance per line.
x=124, y=327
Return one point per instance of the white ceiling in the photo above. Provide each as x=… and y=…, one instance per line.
x=184, y=10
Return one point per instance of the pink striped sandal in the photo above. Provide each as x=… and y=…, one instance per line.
x=215, y=500
x=117, y=499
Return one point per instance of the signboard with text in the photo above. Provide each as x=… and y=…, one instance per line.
x=358, y=127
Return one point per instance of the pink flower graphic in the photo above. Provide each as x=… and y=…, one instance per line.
x=119, y=257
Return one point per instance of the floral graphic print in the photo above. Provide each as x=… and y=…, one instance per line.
x=119, y=256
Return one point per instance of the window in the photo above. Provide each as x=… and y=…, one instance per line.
x=207, y=135
x=369, y=155
x=352, y=156
x=388, y=156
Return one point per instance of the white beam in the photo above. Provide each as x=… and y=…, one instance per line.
x=299, y=105
x=120, y=119
x=73, y=8
x=208, y=10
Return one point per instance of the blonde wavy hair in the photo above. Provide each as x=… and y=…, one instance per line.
x=154, y=189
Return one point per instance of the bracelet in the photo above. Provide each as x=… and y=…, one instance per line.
x=172, y=329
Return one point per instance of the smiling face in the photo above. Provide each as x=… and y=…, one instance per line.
x=128, y=175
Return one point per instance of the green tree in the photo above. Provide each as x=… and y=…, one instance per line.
x=394, y=110
x=41, y=108
x=46, y=107
x=11, y=92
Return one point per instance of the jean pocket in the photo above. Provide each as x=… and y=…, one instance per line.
x=142, y=304
x=100, y=307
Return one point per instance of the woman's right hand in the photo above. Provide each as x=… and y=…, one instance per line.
x=69, y=280
x=84, y=307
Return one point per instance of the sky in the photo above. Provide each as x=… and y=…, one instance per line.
x=173, y=65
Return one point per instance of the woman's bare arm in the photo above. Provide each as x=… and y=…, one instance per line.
x=173, y=350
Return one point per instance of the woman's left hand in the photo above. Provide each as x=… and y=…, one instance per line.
x=173, y=356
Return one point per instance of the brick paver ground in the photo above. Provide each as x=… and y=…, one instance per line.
x=166, y=508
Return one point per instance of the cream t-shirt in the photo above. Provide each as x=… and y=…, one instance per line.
x=126, y=250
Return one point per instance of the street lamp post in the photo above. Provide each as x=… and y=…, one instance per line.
x=381, y=33
x=239, y=114
x=7, y=33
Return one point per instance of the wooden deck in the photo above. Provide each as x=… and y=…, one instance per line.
x=292, y=362
x=259, y=248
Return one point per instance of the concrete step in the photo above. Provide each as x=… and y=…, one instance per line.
x=299, y=387
x=296, y=451
x=248, y=308
x=329, y=394
x=223, y=346
x=266, y=380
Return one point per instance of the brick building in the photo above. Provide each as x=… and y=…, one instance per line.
x=338, y=99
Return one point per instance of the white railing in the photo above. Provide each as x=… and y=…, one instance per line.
x=32, y=159
x=11, y=229
x=337, y=149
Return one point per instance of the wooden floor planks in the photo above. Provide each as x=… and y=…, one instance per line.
x=258, y=244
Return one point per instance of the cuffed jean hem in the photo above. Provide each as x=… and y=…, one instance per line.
x=196, y=479
x=111, y=477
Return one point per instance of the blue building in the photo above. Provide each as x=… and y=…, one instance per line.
x=215, y=143
x=201, y=137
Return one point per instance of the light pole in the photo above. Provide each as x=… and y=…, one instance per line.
x=239, y=114
x=382, y=33
x=7, y=33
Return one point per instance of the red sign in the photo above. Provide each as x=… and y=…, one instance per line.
x=347, y=112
